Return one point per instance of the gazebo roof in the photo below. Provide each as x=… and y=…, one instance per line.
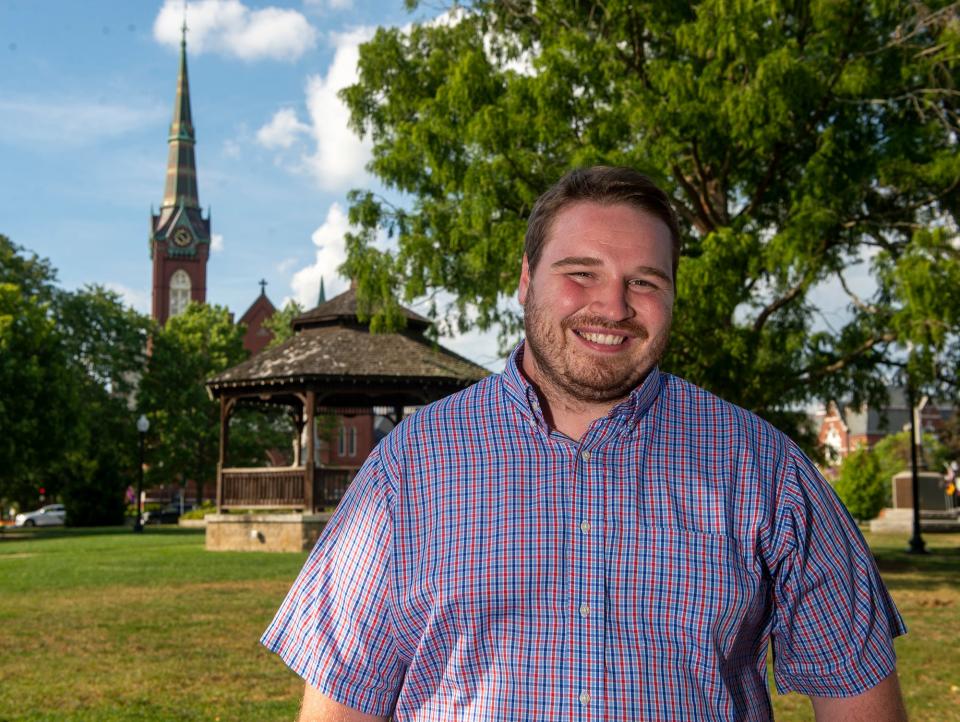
x=331, y=346
x=343, y=309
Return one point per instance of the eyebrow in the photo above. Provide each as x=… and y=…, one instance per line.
x=590, y=261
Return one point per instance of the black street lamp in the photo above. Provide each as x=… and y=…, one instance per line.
x=917, y=545
x=143, y=426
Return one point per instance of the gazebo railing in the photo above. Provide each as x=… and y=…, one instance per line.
x=283, y=487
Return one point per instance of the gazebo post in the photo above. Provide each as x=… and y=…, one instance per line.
x=297, y=443
x=398, y=413
x=224, y=439
x=310, y=470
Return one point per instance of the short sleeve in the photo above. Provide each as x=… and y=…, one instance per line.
x=833, y=619
x=334, y=628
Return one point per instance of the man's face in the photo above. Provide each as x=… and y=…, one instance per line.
x=598, y=307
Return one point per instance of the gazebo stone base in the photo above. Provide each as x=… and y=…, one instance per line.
x=294, y=532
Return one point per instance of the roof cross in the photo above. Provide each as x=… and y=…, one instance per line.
x=263, y=287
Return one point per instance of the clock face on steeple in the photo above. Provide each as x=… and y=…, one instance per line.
x=182, y=237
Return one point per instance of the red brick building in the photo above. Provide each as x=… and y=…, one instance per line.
x=844, y=428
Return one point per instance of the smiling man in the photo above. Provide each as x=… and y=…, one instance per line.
x=530, y=549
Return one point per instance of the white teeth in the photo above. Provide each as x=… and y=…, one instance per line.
x=603, y=338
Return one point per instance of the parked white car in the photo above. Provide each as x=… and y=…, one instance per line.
x=50, y=515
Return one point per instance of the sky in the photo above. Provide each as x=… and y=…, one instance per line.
x=86, y=98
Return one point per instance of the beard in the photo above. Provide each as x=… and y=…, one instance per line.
x=582, y=376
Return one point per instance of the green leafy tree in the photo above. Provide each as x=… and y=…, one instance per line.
x=106, y=343
x=794, y=139
x=893, y=454
x=184, y=434
x=39, y=397
x=861, y=485
x=68, y=364
x=280, y=323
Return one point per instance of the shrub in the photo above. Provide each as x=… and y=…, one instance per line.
x=862, y=485
x=208, y=507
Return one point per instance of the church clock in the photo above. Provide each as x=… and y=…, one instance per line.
x=182, y=237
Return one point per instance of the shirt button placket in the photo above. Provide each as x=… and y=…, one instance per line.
x=588, y=576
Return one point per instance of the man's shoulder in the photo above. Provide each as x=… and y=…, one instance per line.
x=705, y=412
x=467, y=407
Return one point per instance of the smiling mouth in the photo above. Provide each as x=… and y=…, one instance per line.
x=604, y=339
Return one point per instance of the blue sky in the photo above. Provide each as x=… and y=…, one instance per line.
x=86, y=96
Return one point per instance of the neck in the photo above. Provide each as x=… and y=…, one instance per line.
x=568, y=415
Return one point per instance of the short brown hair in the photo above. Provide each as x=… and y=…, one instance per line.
x=602, y=184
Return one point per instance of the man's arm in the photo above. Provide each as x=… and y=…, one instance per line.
x=317, y=707
x=882, y=703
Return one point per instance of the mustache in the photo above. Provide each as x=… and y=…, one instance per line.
x=631, y=328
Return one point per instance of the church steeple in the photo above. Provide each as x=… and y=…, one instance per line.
x=179, y=234
x=181, y=186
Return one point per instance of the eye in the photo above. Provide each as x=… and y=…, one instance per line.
x=642, y=283
x=580, y=274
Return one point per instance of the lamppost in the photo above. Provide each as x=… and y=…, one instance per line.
x=916, y=541
x=143, y=426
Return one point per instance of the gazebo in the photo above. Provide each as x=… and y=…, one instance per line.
x=332, y=363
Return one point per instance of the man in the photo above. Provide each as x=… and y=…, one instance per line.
x=532, y=548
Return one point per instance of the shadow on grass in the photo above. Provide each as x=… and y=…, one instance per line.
x=919, y=571
x=41, y=534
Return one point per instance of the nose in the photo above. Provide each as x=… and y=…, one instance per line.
x=610, y=301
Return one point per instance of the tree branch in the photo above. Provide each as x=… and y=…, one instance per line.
x=844, y=361
x=700, y=219
x=779, y=303
x=854, y=297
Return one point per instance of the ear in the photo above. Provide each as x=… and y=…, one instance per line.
x=524, y=280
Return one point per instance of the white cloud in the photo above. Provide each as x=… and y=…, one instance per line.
x=216, y=243
x=63, y=122
x=228, y=27
x=339, y=157
x=286, y=264
x=283, y=130
x=329, y=4
x=137, y=299
x=335, y=157
x=331, y=252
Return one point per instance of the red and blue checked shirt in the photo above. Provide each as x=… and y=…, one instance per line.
x=483, y=567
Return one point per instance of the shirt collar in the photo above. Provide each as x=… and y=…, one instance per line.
x=521, y=391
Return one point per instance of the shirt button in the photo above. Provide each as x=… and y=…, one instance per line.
x=584, y=698
x=584, y=610
x=585, y=455
x=585, y=527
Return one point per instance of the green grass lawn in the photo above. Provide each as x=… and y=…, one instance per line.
x=104, y=625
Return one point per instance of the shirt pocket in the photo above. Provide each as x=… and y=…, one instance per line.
x=680, y=592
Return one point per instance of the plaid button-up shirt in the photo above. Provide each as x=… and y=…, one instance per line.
x=484, y=567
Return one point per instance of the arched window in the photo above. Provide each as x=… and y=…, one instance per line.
x=179, y=292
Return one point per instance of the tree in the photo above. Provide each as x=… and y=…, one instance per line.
x=893, y=454
x=68, y=364
x=794, y=139
x=861, y=486
x=280, y=324
x=39, y=397
x=106, y=343
x=193, y=346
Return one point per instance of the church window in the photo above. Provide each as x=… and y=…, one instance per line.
x=179, y=292
x=347, y=441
